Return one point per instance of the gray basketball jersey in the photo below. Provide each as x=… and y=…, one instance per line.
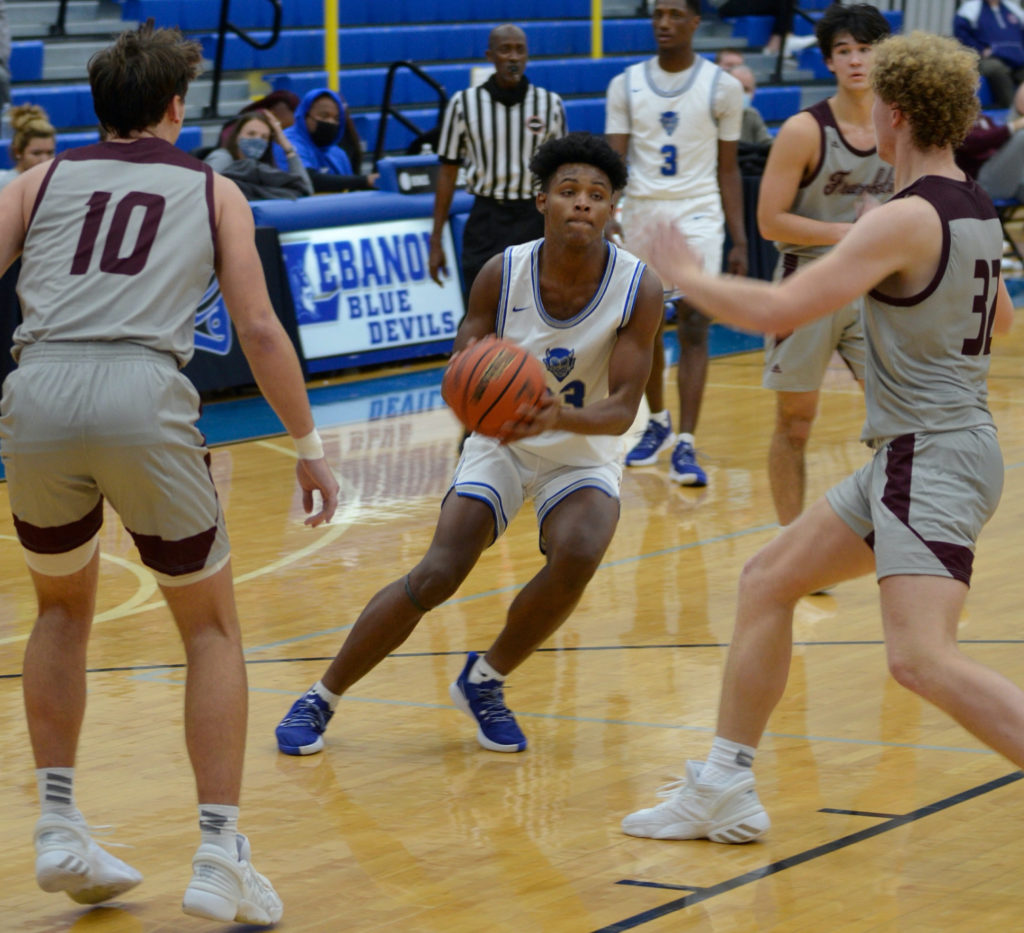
x=120, y=247
x=840, y=177
x=928, y=354
x=575, y=352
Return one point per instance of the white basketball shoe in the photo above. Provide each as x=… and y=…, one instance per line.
x=720, y=812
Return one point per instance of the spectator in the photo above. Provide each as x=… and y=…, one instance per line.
x=995, y=30
x=728, y=59
x=282, y=104
x=753, y=131
x=993, y=153
x=315, y=135
x=247, y=159
x=34, y=141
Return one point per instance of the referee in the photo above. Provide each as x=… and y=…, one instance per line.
x=494, y=129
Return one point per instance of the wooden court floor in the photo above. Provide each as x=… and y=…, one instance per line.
x=887, y=816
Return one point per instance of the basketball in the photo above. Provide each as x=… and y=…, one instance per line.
x=487, y=383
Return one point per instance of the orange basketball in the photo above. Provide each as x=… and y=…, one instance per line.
x=487, y=383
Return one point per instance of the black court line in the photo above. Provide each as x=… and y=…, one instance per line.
x=659, y=884
x=723, y=887
x=869, y=813
x=552, y=650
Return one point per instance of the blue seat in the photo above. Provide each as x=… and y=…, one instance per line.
x=755, y=29
x=585, y=114
x=66, y=105
x=621, y=36
x=27, y=61
x=777, y=103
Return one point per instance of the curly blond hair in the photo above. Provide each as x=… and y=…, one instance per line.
x=933, y=80
x=29, y=121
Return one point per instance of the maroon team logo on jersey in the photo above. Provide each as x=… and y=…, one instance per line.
x=535, y=125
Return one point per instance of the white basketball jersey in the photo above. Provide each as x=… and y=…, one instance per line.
x=674, y=122
x=575, y=352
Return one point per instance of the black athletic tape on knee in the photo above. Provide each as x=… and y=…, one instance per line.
x=412, y=598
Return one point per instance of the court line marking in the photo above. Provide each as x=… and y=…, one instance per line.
x=344, y=518
x=157, y=675
x=731, y=884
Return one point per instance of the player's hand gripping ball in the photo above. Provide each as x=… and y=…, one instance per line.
x=487, y=383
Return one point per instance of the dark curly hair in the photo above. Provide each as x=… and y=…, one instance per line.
x=578, y=148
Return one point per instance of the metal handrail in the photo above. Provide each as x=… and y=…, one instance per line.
x=57, y=28
x=210, y=110
x=388, y=110
x=793, y=11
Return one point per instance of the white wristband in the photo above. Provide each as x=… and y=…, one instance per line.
x=309, y=447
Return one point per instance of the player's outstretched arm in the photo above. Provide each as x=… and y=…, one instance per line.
x=899, y=238
x=266, y=346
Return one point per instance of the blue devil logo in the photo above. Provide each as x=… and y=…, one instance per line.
x=560, y=362
x=212, y=313
x=314, y=300
x=669, y=121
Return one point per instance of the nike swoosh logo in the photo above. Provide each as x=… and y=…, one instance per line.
x=521, y=308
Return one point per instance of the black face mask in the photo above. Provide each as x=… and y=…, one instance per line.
x=325, y=133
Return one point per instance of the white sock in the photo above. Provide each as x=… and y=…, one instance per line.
x=483, y=671
x=725, y=760
x=662, y=417
x=56, y=788
x=218, y=825
x=331, y=699
x=685, y=438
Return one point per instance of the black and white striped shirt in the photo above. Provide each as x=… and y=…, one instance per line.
x=496, y=140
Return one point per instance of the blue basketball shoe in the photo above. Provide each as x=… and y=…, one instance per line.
x=656, y=438
x=485, y=702
x=301, y=732
x=685, y=469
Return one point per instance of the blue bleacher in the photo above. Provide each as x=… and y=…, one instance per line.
x=26, y=62
x=364, y=87
x=196, y=15
x=304, y=48
x=66, y=105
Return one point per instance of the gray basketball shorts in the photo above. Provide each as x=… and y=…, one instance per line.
x=503, y=478
x=81, y=422
x=796, y=362
x=921, y=501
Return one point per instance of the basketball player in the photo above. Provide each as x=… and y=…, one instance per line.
x=822, y=170
x=677, y=118
x=118, y=242
x=589, y=311
x=929, y=261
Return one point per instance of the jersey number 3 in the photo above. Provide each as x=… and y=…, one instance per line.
x=111, y=259
x=668, y=167
x=981, y=345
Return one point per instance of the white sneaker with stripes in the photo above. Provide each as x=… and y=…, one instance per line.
x=728, y=812
x=68, y=859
